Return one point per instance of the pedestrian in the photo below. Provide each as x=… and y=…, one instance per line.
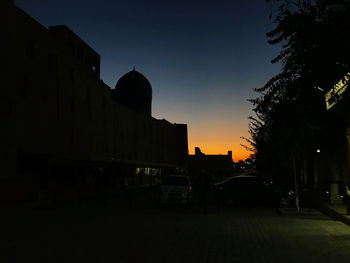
x=204, y=189
x=54, y=187
x=347, y=199
x=128, y=190
x=252, y=195
x=219, y=198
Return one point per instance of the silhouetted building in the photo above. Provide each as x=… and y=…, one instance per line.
x=134, y=91
x=60, y=120
x=219, y=165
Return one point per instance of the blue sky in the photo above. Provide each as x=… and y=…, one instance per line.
x=202, y=58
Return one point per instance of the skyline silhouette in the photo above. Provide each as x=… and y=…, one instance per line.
x=123, y=124
x=203, y=61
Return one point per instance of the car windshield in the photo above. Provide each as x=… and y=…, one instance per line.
x=175, y=181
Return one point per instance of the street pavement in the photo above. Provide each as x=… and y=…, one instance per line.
x=111, y=232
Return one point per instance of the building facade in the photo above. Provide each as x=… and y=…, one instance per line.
x=59, y=119
x=218, y=165
x=332, y=165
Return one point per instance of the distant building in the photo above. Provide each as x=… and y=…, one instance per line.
x=332, y=155
x=60, y=120
x=219, y=165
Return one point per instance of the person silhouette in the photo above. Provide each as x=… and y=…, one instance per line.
x=204, y=188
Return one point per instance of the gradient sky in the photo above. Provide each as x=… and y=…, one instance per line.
x=202, y=58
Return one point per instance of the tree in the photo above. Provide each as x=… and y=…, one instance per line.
x=291, y=114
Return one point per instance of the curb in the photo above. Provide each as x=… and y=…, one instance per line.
x=325, y=209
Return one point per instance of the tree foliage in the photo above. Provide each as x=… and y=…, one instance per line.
x=291, y=115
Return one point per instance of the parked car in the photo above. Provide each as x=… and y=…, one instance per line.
x=175, y=189
x=247, y=190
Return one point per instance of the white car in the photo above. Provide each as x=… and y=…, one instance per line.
x=175, y=189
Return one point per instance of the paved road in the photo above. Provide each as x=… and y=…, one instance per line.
x=170, y=234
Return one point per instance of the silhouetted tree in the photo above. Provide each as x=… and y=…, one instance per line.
x=291, y=115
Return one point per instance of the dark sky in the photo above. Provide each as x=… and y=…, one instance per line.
x=202, y=58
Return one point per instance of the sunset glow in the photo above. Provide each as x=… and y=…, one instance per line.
x=213, y=130
x=219, y=143
x=200, y=76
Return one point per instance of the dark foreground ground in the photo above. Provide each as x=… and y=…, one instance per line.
x=114, y=232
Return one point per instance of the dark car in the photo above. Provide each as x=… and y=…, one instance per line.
x=247, y=190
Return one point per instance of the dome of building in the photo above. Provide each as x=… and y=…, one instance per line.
x=134, y=91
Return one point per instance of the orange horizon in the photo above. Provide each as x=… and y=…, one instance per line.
x=216, y=131
x=237, y=153
x=218, y=137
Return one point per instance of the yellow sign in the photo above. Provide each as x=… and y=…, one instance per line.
x=333, y=96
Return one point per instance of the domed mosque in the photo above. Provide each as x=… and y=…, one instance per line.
x=134, y=91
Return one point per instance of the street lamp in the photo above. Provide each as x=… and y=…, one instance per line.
x=317, y=87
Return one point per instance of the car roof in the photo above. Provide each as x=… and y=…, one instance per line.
x=175, y=175
x=237, y=177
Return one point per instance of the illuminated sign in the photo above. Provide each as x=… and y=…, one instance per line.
x=334, y=95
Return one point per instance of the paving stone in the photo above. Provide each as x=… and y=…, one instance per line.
x=172, y=234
